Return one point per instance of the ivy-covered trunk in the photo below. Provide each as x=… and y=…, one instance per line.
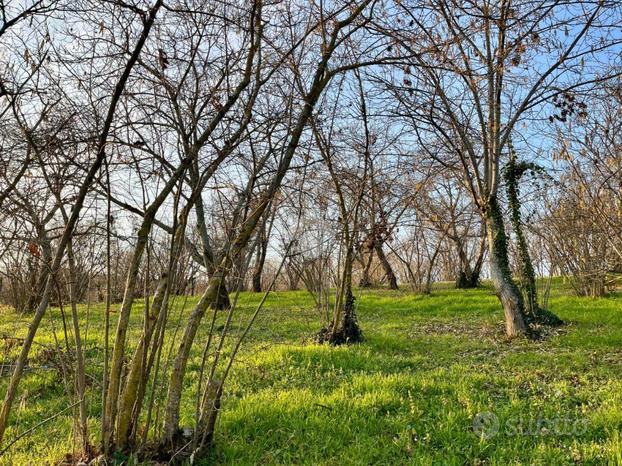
x=533, y=312
x=505, y=288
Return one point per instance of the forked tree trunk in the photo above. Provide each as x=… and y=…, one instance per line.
x=221, y=299
x=505, y=288
x=344, y=328
x=469, y=276
x=467, y=279
x=344, y=292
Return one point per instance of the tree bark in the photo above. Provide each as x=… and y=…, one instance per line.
x=39, y=278
x=136, y=370
x=391, y=279
x=261, y=260
x=80, y=375
x=206, y=424
x=173, y=401
x=468, y=276
x=505, y=288
x=320, y=81
x=533, y=312
x=365, y=281
x=118, y=352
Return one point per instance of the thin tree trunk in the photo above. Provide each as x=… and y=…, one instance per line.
x=320, y=80
x=261, y=260
x=173, y=401
x=118, y=353
x=39, y=278
x=73, y=219
x=130, y=393
x=80, y=376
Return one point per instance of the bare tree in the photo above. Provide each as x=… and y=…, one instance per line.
x=464, y=79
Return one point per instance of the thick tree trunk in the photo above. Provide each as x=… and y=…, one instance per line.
x=391, y=279
x=467, y=279
x=221, y=301
x=469, y=276
x=506, y=290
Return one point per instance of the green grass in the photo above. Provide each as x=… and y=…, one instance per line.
x=407, y=395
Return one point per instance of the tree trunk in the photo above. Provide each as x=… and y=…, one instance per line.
x=73, y=219
x=466, y=279
x=533, y=312
x=204, y=435
x=505, y=288
x=39, y=278
x=173, y=401
x=344, y=328
x=261, y=260
x=137, y=373
x=237, y=244
x=80, y=374
x=365, y=281
x=468, y=276
x=391, y=279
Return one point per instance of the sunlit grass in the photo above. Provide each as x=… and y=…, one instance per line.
x=407, y=395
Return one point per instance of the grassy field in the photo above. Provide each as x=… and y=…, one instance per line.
x=435, y=382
